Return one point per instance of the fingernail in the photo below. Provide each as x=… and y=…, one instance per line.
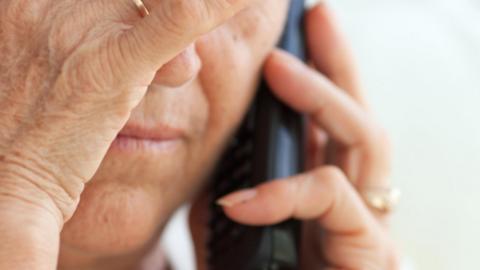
x=237, y=198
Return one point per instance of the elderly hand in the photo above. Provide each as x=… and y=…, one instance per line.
x=340, y=231
x=71, y=72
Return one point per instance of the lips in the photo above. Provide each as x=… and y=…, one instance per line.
x=142, y=138
x=158, y=132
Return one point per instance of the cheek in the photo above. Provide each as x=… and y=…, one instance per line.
x=232, y=59
x=228, y=78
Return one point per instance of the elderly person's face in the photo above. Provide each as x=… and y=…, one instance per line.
x=193, y=106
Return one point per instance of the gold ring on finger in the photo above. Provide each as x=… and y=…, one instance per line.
x=142, y=9
x=380, y=199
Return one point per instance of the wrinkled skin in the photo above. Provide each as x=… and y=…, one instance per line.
x=75, y=75
x=66, y=90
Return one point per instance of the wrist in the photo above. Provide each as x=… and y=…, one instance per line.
x=30, y=235
x=22, y=197
x=23, y=177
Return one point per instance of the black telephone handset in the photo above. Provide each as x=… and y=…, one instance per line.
x=269, y=145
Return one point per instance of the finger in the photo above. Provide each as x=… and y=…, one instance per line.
x=352, y=237
x=171, y=26
x=309, y=92
x=330, y=52
x=346, y=122
x=317, y=142
x=332, y=56
x=323, y=194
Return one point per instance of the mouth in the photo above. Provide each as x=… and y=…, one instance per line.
x=136, y=137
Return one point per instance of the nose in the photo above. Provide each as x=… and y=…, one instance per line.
x=180, y=70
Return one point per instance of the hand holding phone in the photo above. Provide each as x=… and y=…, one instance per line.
x=328, y=197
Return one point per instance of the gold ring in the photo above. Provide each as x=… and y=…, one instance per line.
x=141, y=8
x=380, y=199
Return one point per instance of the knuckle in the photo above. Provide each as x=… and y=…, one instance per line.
x=75, y=74
x=90, y=70
x=333, y=177
x=180, y=17
x=64, y=38
x=331, y=172
x=376, y=134
x=185, y=16
x=370, y=132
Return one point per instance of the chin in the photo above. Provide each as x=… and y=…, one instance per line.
x=126, y=205
x=114, y=219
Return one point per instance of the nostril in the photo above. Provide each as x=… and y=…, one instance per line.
x=180, y=70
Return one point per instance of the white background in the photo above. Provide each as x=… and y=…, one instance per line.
x=420, y=61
